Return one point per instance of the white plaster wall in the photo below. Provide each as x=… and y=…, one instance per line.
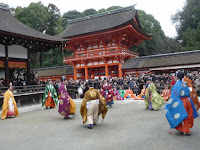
x=79, y=75
x=101, y=45
x=95, y=63
x=2, y=50
x=110, y=62
x=115, y=61
x=17, y=51
x=113, y=44
x=101, y=62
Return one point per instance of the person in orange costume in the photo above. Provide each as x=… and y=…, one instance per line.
x=166, y=93
x=9, y=108
x=143, y=92
x=193, y=93
x=129, y=93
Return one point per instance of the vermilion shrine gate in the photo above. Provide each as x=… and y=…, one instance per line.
x=101, y=42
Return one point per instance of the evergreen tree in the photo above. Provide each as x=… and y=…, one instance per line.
x=187, y=24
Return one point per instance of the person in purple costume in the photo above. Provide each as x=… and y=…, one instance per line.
x=64, y=103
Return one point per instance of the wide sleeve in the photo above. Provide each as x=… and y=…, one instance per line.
x=102, y=106
x=83, y=110
x=102, y=91
x=5, y=105
x=45, y=95
x=15, y=106
x=55, y=96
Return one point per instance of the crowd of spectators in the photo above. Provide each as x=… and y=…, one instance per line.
x=19, y=78
x=134, y=82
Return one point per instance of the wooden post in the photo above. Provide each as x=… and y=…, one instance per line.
x=28, y=68
x=18, y=102
x=120, y=68
x=75, y=76
x=7, y=71
x=137, y=73
x=106, y=69
x=86, y=72
x=92, y=73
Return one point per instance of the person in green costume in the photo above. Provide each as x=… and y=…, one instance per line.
x=153, y=99
x=121, y=92
x=50, y=97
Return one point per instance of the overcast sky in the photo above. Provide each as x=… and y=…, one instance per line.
x=160, y=9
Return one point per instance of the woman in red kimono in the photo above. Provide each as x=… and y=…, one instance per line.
x=107, y=92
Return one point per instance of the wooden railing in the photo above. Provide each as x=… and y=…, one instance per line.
x=101, y=53
x=20, y=90
x=25, y=95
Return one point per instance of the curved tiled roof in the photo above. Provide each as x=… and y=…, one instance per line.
x=54, y=71
x=162, y=60
x=102, y=22
x=10, y=25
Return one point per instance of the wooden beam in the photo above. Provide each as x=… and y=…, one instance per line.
x=86, y=73
x=7, y=71
x=75, y=76
x=120, y=68
x=106, y=69
x=28, y=68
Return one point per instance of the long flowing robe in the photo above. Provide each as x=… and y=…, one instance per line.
x=107, y=92
x=117, y=95
x=193, y=93
x=142, y=94
x=66, y=104
x=153, y=100
x=166, y=93
x=50, y=97
x=9, y=107
x=121, y=93
x=93, y=94
x=129, y=94
x=180, y=110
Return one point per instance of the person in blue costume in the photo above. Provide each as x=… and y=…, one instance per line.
x=180, y=110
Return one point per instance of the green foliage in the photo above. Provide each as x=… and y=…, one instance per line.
x=35, y=16
x=54, y=22
x=42, y=18
x=72, y=14
x=159, y=42
x=187, y=23
x=88, y=12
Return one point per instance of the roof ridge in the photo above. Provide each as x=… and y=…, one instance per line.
x=166, y=55
x=44, y=68
x=4, y=6
x=102, y=14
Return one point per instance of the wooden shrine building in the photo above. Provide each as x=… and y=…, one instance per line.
x=17, y=41
x=101, y=42
x=163, y=63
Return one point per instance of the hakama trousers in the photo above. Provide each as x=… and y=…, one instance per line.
x=93, y=113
